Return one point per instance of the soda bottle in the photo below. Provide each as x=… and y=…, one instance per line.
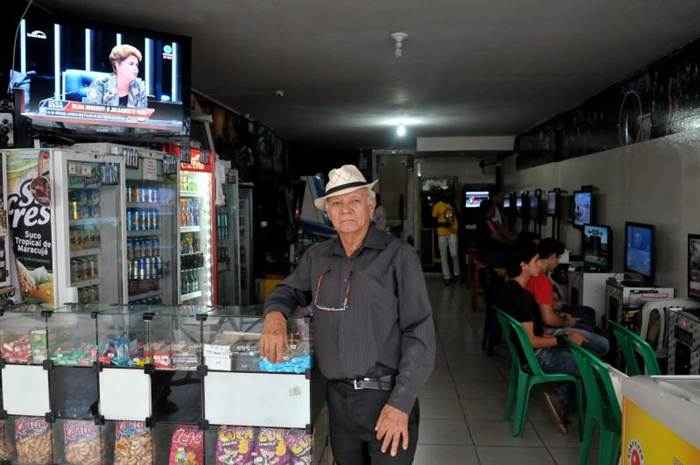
x=142, y=268
x=93, y=267
x=147, y=267
x=159, y=265
x=142, y=220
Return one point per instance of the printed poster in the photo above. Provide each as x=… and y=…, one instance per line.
x=29, y=214
x=647, y=441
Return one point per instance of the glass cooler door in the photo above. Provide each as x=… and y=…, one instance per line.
x=89, y=203
x=196, y=238
x=151, y=192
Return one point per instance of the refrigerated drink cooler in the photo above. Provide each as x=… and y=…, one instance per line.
x=196, y=219
x=149, y=212
x=235, y=243
x=65, y=217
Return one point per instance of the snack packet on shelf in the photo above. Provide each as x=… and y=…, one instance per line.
x=187, y=446
x=271, y=447
x=299, y=443
x=234, y=445
x=33, y=440
x=133, y=444
x=82, y=443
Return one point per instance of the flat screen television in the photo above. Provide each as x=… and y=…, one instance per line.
x=552, y=203
x=694, y=266
x=597, y=248
x=473, y=199
x=639, y=251
x=86, y=76
x=582, y=208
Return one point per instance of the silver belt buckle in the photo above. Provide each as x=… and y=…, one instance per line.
x=355, y=384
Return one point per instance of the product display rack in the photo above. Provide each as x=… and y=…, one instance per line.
x=165, y=371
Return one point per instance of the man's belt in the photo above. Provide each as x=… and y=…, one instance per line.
x=385, y=383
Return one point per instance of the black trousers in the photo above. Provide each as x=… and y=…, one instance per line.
x=353, y=416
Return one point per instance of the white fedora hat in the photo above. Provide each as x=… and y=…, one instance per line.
x=341, y=181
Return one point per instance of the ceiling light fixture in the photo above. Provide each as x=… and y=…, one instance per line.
x=399, y=37
x=401, y=130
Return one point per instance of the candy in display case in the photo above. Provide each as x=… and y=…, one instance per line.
x=121, y=336
x=23, y=336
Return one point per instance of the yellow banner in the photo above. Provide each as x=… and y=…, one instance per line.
x=647, y=441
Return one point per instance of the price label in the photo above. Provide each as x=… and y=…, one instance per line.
x=150, y=169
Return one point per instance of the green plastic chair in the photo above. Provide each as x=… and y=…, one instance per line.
x=602, y=408
x=525, y=373
x=633, y=346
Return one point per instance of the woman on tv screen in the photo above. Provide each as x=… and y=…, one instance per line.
x=123, y=88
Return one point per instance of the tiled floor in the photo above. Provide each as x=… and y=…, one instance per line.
x=462, y=405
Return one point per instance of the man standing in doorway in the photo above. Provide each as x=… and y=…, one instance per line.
x=447, y=228
x=373, y=332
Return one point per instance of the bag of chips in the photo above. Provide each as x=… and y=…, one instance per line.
x=82, y=443
x=133, y=444
x=271, y=447
x=33, y=440
x=234, y=445
x=187, y=446
x=299, y=444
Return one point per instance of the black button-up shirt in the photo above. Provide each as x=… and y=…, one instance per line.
x=386, y=325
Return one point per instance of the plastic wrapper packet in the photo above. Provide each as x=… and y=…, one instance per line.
x=234, y=445
x=271, y=447
x=133, y=444
x=33, y=440
x=17, y=351
x=299, y=443
x=119, y=351
x=187, y=446
x=83, y=443
x=83, y=355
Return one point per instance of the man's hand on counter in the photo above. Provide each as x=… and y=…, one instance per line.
x=273, y=343
x=392, y=430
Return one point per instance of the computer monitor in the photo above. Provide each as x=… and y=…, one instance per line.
x=552, y=203
x=639, y=251
x=597, y=248
x=694, y=266
x=582, y=208
x=473, y=199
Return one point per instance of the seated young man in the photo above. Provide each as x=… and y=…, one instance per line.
x=542, y=288
x=551, y=351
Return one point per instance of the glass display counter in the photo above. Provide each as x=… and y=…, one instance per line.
x=151, y=385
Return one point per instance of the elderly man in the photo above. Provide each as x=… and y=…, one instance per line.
x=373, y=329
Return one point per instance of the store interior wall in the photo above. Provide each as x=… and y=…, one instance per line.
x=655, y=182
